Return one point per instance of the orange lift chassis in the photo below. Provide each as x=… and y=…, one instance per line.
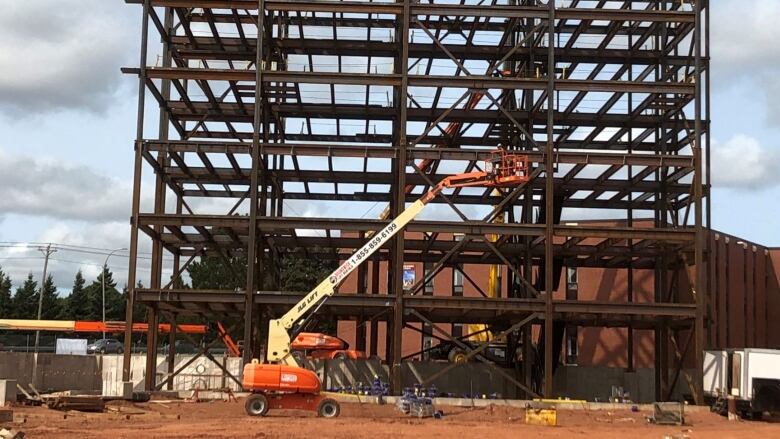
x=281, y=383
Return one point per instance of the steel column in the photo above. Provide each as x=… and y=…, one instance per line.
x=549, y=193
x=397, y=204
x=252, y=245
x=136, y=204
x=700, y=282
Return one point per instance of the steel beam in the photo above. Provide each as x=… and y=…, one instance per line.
x=393, y=80
x=493, y=11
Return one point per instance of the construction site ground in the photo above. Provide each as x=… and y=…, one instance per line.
x=221, y=419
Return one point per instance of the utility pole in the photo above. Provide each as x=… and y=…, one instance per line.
x=46, y=253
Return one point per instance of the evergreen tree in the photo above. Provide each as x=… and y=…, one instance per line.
x=296, y=274
x=299, y=274
x=115, y=300
x=77, y=304
x=25, y=301
x=94, y=298
x=52, y=303
x=212, y=273
x=6, y=302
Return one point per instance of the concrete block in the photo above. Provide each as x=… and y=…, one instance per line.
x=127, y=389
x=7, y=392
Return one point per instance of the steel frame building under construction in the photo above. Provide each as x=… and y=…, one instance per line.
x=296, y=116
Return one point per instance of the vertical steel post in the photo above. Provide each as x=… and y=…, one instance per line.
x=698, y=195
x=139, y=135
x=153, y=320
x=159, y=208
x=661, y=279
x=374, y=337
x=399, y=197
x=549, y=216
x=362, y=287
x=630, y=219
x=528, y=218
x=708, y=181
x=171, y=351
x=251, y=282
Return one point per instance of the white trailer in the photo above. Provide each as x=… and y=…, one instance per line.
x=751, y=376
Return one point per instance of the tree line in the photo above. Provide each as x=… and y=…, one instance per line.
x=85, y=301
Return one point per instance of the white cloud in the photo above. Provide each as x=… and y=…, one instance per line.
x=63, y=55
x=745, y=163
x=745, y=50
x=17, y=261
x=743, y=35
x=34, y=186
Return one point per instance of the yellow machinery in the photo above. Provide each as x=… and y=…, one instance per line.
x=481, y=334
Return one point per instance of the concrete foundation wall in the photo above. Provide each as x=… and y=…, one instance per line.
x=104, y=373
x=54, y=372
x=466, y=379
x=201, y=374
x=592, y=383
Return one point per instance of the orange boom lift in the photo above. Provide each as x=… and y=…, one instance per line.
x=281, y=383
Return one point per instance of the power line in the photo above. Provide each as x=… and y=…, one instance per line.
x=58, y=244
x=69, y=261
x=70, y=248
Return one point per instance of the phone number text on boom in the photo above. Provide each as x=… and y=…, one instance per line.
x=374, y=243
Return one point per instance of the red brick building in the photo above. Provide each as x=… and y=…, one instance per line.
x=743, y=296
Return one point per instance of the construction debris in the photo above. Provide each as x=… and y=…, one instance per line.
x=668, y=413
x=27, y=398
x=414, y=403
x=82, y=403
x=6, y=433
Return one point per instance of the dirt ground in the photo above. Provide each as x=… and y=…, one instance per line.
x=220, y=419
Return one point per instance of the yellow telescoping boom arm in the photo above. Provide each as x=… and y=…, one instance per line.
x=505, y=170
x=278, y=329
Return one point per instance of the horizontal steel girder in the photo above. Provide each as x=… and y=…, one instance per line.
x=595, y=254
x=386, y=152
x=470, y=82
x=237, y=49
x=228, y=176
x=233, y=112
x=440, y=309
x=467, y=227
x=493, y=11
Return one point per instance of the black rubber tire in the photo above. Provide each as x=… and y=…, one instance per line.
x=340, y=356
x=256, y=405
x=102, y=351
x=328, y=408
x=456, y=355
x=120, y=351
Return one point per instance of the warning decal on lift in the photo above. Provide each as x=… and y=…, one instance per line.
x=289, y=378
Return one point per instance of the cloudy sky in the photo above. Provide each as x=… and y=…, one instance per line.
x=67, y=120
